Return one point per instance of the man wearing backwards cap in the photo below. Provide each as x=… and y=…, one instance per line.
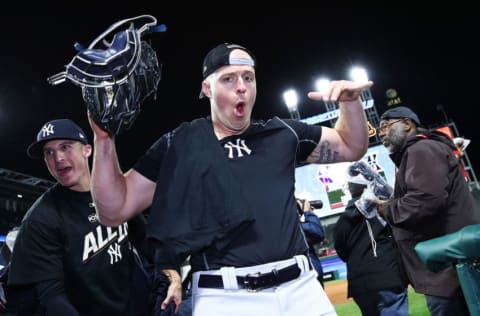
x=76, y=265
x=431, y=199
x=221, y=188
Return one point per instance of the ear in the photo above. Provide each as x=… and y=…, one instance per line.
x=206, y=88
x=87, y=150
x=409, y=125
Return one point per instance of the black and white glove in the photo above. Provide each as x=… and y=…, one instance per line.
x=367, y=207
x=365, y=204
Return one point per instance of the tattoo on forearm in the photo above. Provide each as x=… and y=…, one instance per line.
x=323, y=154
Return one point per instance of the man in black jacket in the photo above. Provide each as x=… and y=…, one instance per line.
x=376, y=279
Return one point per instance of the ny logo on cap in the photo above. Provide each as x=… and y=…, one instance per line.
x=47, y=130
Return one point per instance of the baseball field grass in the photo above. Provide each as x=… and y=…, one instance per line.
x=416, y=306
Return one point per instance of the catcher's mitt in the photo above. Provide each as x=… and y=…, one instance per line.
x=116, y=75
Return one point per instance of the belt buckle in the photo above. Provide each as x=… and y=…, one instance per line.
x=251, y=282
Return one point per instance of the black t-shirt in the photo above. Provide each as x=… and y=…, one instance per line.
x=61, y=238
x=263, y=161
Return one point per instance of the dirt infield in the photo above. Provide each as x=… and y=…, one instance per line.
x=337, y=292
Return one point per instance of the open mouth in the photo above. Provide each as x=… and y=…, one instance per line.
x=63, y=170
x=240, y=109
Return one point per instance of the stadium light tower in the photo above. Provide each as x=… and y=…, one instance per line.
x=291, y=101
x=359, y=74
x=321, y=85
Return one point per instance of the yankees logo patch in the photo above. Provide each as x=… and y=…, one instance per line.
x=115, y=253
x=104, y=238
x=47, y=130
x=237, y=150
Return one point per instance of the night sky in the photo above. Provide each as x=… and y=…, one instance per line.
x=427, y=55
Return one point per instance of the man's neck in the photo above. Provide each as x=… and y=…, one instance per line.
x=221, y=131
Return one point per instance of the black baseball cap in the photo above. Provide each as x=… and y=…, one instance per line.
x=401, y=112
x=220, y=56
x=56, y=129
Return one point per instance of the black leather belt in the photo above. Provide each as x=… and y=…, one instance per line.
x=253, y=282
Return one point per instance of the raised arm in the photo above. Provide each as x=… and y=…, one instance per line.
x=348, y=141
x=117, y=196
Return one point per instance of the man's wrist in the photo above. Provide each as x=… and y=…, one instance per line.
x=172, y=275
x=381, y=209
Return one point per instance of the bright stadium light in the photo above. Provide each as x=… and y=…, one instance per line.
x=291, y=101
x=358, y=74
x=322, y=84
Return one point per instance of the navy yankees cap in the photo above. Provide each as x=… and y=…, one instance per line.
x=56, y=129
x=401, y=112
x=220, y=56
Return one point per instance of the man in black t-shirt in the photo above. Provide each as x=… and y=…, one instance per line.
x=221, y=189
x=75, y=265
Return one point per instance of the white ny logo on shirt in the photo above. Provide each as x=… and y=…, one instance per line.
x=115, y=253
x=240, y=147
